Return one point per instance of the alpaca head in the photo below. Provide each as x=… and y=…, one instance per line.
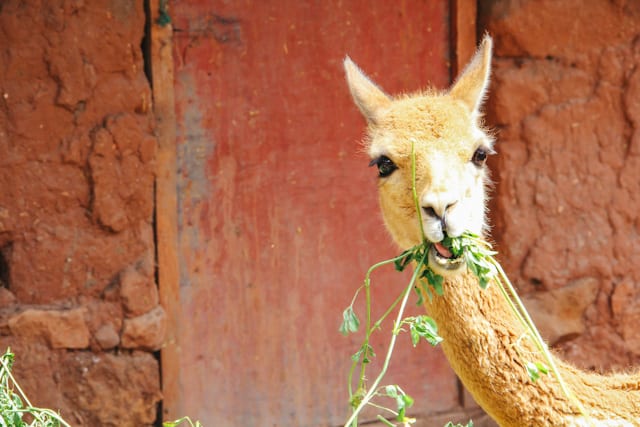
x=444, y=130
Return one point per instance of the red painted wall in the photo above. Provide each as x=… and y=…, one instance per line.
x=277, y=211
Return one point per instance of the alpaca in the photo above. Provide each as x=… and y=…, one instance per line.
x=483, y=340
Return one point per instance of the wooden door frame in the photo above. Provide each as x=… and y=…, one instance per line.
x=166, y=200
x=463, y=41
x=464, y=18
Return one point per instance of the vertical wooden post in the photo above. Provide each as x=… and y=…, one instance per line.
x=166, y=200
x=464, y=18
x=464, y=33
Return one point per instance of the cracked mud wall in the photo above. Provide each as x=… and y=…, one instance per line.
x=78, y=298
x=565, y=101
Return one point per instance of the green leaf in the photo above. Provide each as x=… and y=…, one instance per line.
x=418, y=290
x=425, y=288
x=17, y=420
x=401, y=263
x=403, y=400
x=407, y=400
x=534, y=369
x=450, y=424
x=365, y=352
x=542, y=367
x=415, y=337
x=180, y=421
x=350, y=322
x=477, y=262
x=357, y=397
x=483, y=282
x=428, y=330
x=434, y=280
x=391, y=391
x=423, y=327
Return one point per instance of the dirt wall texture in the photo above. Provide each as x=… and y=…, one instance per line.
x=565, y=101
x=78, y=299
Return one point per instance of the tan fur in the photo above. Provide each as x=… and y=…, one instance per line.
x=483, y=341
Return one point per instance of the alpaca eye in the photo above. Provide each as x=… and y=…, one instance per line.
x=385, y=166
x=480, y=156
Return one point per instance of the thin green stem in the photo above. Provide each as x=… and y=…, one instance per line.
x=372, y=390
x=35, y=412
x=413, y=188
x=15, y=383
x=385, y=421
x=352, y=369
x=512, y=305
x=180, y=421
x=367, y=289
x=521, y=312
x=383, y=408
x=368, y=329
x=393, y=305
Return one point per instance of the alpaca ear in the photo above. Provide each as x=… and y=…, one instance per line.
x=369, y=98
x=471, y=85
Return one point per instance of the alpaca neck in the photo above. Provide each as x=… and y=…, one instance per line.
x=488, y=349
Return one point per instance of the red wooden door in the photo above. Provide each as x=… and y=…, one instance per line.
x=277, y=211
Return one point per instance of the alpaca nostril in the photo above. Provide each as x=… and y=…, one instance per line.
x=430, y=212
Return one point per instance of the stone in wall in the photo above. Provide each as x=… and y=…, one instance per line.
x=59, y=328
x=138, y=292
x=146, y=331
x=559, y=313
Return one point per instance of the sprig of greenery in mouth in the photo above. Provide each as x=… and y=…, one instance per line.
x=476, y=253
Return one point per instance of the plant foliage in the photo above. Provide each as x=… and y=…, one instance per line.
x=15, y=406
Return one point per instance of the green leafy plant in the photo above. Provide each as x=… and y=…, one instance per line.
x=424, y=281
x=450, y=424
x=180, y=421
x=419, y=327
x=14, y=404
x=422, y=327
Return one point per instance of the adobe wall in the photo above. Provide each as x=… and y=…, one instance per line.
x=565, y=102
x=78, y=298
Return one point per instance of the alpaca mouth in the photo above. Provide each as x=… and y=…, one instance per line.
x=443, y=257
